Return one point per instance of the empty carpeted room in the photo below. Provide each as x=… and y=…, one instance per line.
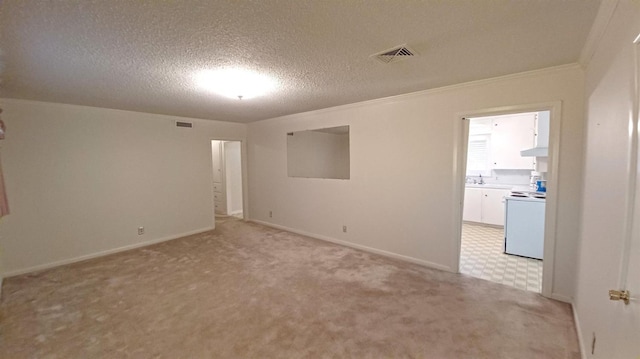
x=292, y=179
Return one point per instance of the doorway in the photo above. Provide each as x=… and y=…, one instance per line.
x=227, y=178
x=502, y=151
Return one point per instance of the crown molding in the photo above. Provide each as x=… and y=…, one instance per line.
x=406, y=96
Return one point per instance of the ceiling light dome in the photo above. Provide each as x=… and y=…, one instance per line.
x=236, y=83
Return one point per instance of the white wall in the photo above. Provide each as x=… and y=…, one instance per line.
x=81, y=180
x=400, y=198
x=233, y=173
x=609, y=89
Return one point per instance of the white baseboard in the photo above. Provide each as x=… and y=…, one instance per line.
x=581, y=343
x=235, y=212
x=102, y=253
x=359, y=246
x=561, y=298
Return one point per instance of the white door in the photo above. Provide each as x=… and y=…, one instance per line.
x=610, y=239
x=625, y=319
x=219, y=191
x=216, y=153
x=233, y=176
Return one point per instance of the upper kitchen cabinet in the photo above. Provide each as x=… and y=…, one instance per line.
x=542, y=129
x=509, y=135
x=541, y=148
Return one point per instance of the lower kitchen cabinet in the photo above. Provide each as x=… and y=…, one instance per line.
x=484, y=205
x=472, y=211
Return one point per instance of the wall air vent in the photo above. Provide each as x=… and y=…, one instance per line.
x=184, y=124
x=395, y=54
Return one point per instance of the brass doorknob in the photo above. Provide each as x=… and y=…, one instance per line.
x=622, y=295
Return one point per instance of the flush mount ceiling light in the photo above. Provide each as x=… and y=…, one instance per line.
x=236, y=83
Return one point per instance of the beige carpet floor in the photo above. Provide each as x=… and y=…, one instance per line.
x=248, y=291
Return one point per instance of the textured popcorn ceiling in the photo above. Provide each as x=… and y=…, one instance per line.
x=141, y=54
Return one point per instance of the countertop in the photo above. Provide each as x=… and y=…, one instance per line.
x=495, y=186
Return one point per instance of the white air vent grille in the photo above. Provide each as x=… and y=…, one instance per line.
x=395, y=54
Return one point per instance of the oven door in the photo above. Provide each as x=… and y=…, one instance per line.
x=524, y=227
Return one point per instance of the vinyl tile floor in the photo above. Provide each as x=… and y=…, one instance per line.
x=482, y=256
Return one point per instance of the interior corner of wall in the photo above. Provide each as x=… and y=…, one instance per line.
x=1, y=270
x=1, y=256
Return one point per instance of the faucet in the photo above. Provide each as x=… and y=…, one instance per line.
x=481, y=180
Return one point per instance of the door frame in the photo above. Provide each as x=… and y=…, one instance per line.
x=461, y=136
x=243, y=166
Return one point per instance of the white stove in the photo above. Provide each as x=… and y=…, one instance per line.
x=524, y=224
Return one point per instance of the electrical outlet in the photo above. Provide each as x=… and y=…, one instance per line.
x=344, y=229
x=270, y=214
x=140, y=231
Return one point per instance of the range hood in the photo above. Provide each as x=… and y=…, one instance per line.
x=535, y=152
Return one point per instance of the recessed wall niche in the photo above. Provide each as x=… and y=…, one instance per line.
x=319, y=153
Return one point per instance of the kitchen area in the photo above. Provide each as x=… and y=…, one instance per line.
x=505, y=199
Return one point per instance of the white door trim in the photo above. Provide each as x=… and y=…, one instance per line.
x=461, y=134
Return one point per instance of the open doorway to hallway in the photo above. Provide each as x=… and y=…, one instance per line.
x=227, y=178
x=502, y=234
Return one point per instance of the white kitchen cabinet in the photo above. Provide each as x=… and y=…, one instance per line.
x=493, y=206
x=484, y=205
x=542, y=129
x=509, y=135
x=472, y=205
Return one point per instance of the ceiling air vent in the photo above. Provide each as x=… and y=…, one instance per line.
x=184, y=124
x=395, y=54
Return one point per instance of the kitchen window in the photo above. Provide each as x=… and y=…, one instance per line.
x=478, y=161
